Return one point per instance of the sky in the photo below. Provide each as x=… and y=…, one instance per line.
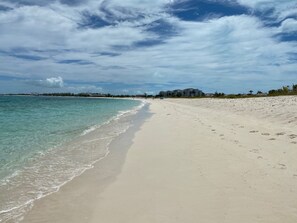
x=145, y=46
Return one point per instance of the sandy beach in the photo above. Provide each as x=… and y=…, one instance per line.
x=189, y=161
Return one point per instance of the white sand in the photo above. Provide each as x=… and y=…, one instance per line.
x=205, y=161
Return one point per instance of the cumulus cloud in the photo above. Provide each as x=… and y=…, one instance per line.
x=52, y=82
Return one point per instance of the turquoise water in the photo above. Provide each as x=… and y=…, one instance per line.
x=46, y=141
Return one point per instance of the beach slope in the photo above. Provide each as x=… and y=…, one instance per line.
x=191, y=163
x=206, y=161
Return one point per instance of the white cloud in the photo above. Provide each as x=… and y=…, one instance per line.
x=279, y=10
x=215, y=52
x=268, y=3
x=33, y=27
x=52, y=82
x=140, y=4
x=289, y=25
x=290, y=12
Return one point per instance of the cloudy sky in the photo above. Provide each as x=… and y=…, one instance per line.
x=133, y=46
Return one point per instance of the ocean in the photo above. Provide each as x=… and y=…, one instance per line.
x=47, y=141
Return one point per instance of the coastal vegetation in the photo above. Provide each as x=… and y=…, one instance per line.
x=285, y=90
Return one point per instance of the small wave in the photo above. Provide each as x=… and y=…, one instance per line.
x=77, y=157
x=91, y=129
x=116, y=117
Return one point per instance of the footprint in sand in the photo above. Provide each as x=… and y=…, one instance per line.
x=272, y=139
x=254, y=151
x=213, y=130
x=221, y=134
x=265, y=134
x=254, y=131
x=294, y=142
x=293, y=120
x=280, y=133
x=292, y=136
x=282, y=166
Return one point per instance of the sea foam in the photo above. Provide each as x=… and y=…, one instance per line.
x=46, y=170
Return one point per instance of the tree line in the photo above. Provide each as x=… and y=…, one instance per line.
x=285, y=90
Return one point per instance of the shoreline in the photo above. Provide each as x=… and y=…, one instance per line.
x=86, y=138
x=191, y=161
x=117, y=148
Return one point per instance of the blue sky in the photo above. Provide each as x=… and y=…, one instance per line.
x=137, y=46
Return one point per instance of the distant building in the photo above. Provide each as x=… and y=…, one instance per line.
x=186, y=93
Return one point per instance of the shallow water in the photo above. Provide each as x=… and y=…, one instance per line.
x=47, y=141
